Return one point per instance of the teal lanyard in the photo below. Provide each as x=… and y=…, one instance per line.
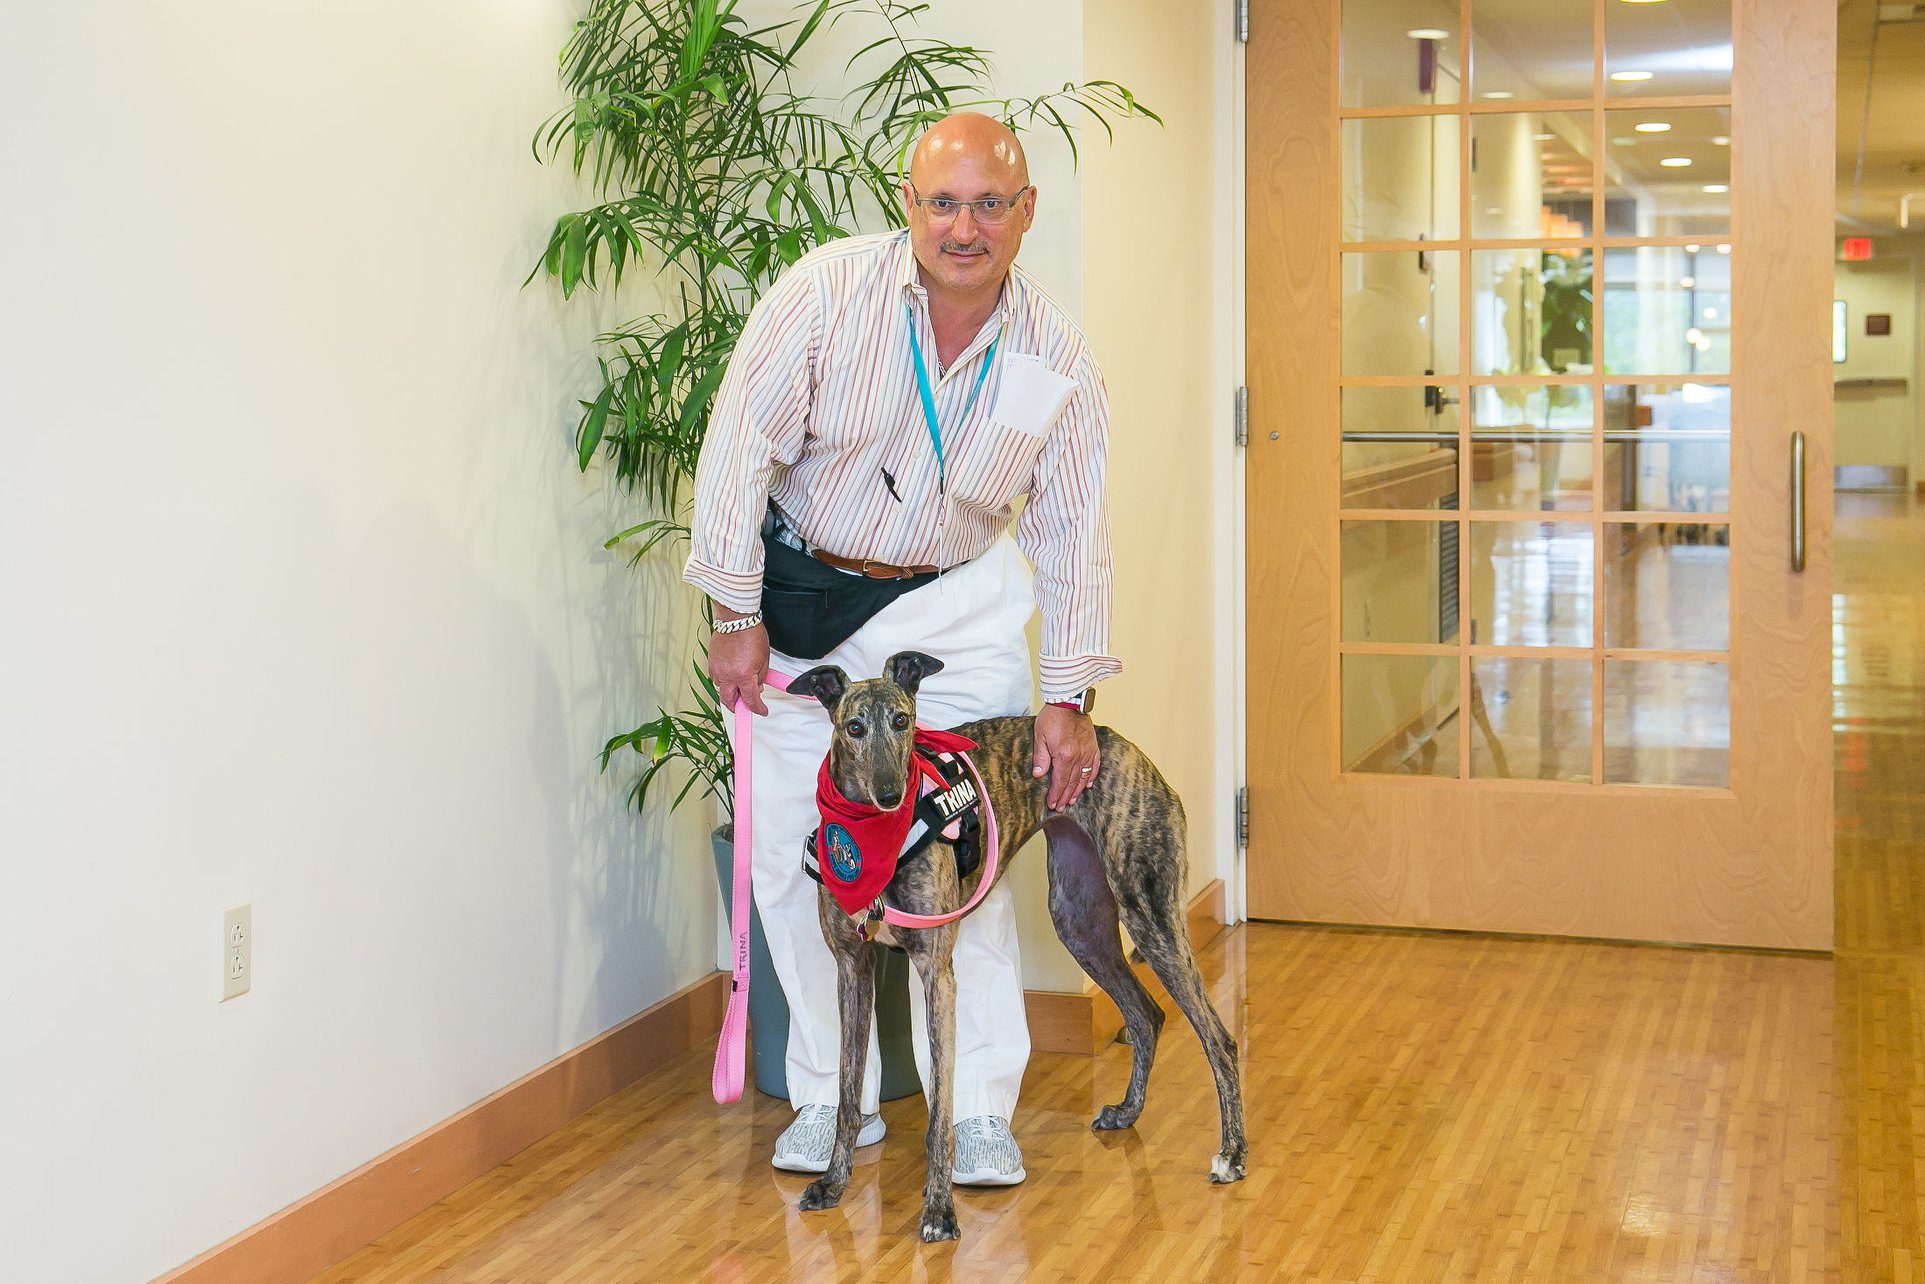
x=929, y=393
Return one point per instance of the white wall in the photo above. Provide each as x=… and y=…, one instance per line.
x=1157, y=311
x=306, y=608
x=1878, y=426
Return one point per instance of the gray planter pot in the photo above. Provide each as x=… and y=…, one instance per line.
x=769, y=1010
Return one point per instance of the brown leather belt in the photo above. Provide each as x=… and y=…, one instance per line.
x=874, y=570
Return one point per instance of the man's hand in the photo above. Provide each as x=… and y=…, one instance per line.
x=1066, y=752
x=738, y=663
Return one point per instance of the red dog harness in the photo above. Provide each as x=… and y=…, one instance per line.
x=855, y=851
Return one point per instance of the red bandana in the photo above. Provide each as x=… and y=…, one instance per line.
x=857, y=845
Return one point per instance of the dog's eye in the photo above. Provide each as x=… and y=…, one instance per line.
x=900, y=722
x=856, y=730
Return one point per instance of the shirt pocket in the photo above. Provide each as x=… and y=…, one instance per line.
x=1030, y=395
x=997, y=467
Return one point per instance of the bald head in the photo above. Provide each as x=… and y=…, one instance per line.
x=963, y=159
x=974, y=137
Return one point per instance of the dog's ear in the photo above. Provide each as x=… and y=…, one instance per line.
x=825, y=682
x=907, y=669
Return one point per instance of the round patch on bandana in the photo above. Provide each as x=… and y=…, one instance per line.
x=845, y=858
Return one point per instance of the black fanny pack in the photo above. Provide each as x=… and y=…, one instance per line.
x=810, y=608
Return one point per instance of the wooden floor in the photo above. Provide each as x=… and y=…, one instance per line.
x=1421, y=1107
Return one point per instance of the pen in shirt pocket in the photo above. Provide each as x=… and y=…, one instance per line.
x=889, y=480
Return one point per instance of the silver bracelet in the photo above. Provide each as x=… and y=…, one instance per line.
x=747, y=622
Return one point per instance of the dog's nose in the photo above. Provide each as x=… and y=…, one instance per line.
x=890, y=797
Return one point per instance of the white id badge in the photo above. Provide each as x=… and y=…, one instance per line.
x=1031, y=395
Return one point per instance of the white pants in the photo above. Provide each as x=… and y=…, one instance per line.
x=973, y=620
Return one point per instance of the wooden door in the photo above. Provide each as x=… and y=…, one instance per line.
x=1536, y=319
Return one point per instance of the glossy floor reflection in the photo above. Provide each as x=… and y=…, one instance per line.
x=1421, y=1107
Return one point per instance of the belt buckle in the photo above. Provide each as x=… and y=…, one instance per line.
x=882, y=570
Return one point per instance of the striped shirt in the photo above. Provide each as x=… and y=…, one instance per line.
x=820, y=409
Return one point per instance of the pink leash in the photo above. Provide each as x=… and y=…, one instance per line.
x=731, y=1051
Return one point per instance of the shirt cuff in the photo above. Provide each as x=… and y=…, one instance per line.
x=1067, y=677
x=737, y=590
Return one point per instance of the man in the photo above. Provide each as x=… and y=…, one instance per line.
x=891, y=400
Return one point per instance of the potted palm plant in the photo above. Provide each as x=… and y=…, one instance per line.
x=713, y=173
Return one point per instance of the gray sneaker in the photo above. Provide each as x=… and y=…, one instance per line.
x=804, y=1145
x=986, y=1153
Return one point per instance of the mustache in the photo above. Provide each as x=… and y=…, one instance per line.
x=957, y=247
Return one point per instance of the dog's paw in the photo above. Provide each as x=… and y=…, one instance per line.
x=939, y=1224
x=1112, y=1118
x=819, y=1195
x=1224, y=1170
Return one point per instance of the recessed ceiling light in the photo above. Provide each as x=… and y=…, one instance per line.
x=1631, y=75
x=1717, y=189
x=1500, y=93
x=1725, y=248
x=1543, y=138
x=1722, y=140
x=1654, y=127
x=1687, y=281
x=1692, y=249
x=1711, y=314
x=1675, y=162
x=1428, y=33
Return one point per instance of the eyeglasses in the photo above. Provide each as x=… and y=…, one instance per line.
x=991, y=209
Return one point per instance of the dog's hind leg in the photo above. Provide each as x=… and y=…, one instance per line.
x=1153, y=911
x=855, y=987
x=1084, y=912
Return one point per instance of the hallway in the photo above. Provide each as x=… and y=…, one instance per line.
x=1422, y=1107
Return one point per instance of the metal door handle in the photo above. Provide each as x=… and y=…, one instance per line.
x=1798, y=501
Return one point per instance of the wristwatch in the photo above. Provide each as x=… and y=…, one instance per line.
x=1085, y=704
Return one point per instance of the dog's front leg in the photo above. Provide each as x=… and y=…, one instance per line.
x=933, y=951
x=855, y=987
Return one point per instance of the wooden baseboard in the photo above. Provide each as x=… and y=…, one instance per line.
x=1088, y=1022
x=350, y=1213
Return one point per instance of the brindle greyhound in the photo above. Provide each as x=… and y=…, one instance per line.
x=1118, y=848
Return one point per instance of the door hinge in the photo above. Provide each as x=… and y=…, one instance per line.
x=1243, y=415
x=1242, y=11
x=1243, y=817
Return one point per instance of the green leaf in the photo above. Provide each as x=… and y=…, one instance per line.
x=592, y=425
x=574, y=249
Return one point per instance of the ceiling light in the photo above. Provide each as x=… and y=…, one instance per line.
x=1631, y=75
x=1543, y=138
x=1725, y=248
x=1692, y=249
x=1693, y=335
x=1716, y=189
x=1711, y=314
x=1722, y=140
x=1428, y=33
x=1675, y=162
x=1653, y=127
x=1500, y=93
x=1687, y=281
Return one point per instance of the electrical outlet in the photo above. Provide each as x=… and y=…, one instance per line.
x=237, y=951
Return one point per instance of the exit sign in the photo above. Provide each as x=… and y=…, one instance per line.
x=1857, y=249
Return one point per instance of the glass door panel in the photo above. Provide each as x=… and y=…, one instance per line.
x=1579, y=305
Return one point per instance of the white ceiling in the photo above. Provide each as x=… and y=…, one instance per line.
x=1885, y=42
